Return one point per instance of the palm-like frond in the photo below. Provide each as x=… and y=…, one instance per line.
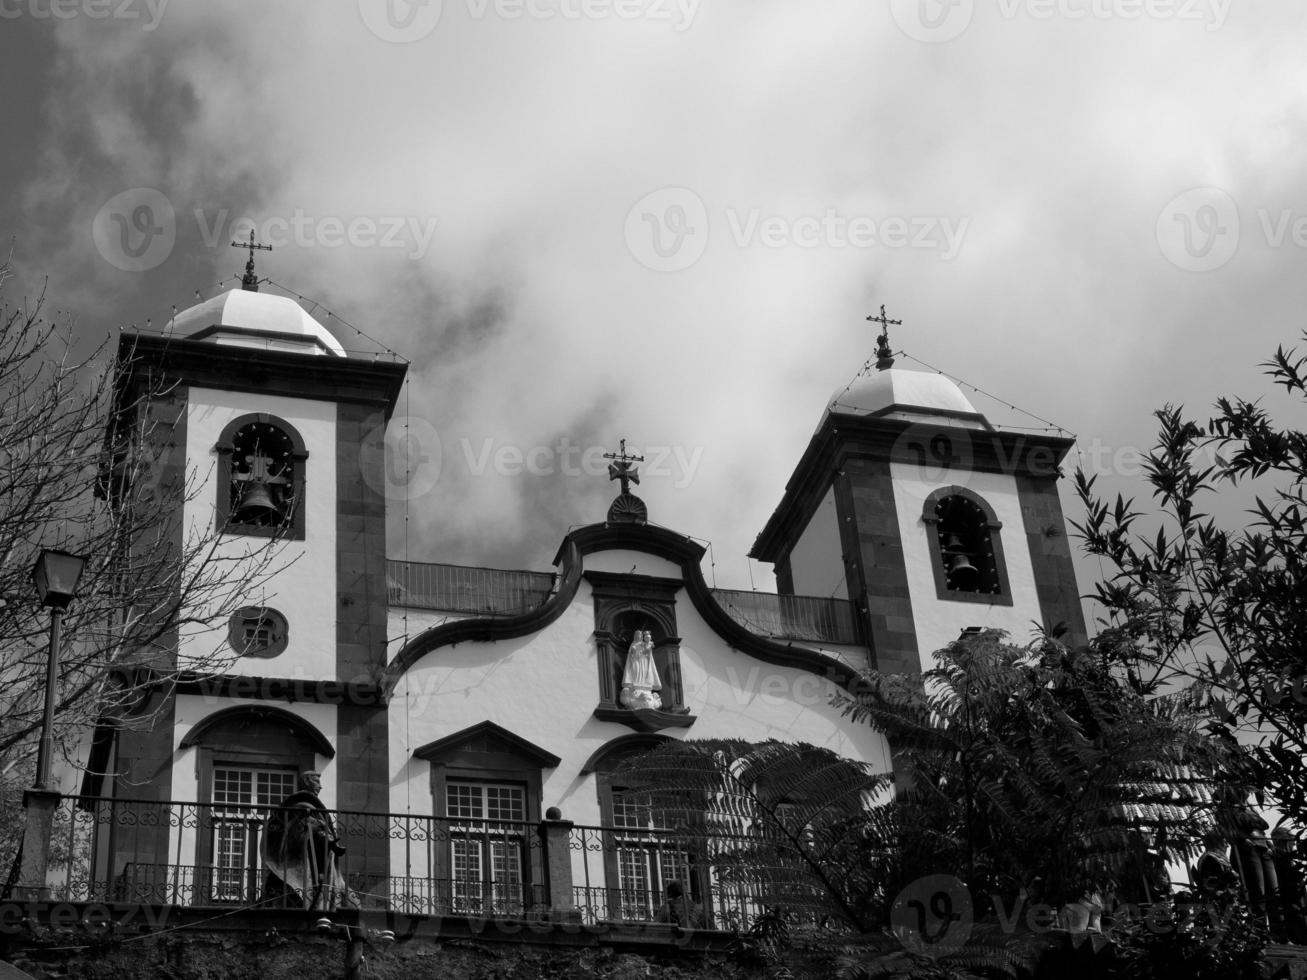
x=796, y=823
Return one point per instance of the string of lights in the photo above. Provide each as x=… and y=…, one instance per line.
x=335, y=316
x=1047, y=425
x=174, y=308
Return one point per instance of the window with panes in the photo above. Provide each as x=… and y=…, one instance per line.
x=487, y=832
x=646, y=857
x=241, y=796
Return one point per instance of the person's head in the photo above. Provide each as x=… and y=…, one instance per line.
x=311, y=781
x=1214, y=841
x=674, y=889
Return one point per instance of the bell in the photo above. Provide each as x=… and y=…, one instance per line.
x=962, y=574
x=256, y=506
x=953, y=543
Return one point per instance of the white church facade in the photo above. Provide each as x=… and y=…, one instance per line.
x=461, y=719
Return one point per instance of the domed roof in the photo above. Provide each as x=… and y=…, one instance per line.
x=895, y=392
x=245, y=318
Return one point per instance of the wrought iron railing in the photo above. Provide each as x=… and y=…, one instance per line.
x=621, y=874
x=790, y=617
x=201, y=855
x=458, y=588
x=195, y=854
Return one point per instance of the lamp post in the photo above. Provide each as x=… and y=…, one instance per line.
x=55, y=574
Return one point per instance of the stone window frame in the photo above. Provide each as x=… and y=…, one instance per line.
x=236, y=632
x=992, y=530
x=293, y=529
x=516, y=762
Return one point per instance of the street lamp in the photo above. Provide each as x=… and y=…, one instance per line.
x=56, y=574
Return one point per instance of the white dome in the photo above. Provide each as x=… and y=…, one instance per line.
x=245, y=318
x=903, y=392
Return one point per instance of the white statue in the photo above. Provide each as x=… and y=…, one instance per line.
x=640, y=678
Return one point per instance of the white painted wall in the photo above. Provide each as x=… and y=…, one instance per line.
x=817, y=560
x=304, y=586
x=545, y=688
x=938, y=622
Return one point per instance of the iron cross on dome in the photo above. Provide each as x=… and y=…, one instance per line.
x=884, y=356
x=250, y=281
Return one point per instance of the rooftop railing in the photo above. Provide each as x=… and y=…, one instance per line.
x=503, y=592
x=790, y=617
x=459, y=588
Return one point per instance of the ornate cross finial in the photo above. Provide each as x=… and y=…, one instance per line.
x=627, y=508
x=623, y=467
x=884, y=356
x=250, y=281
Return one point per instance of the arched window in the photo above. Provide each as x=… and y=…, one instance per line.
x=249, y=760
x=261, y=478
x=966, y=547
x=641, y=851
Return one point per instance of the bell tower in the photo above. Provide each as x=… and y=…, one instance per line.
x=929, y=519
x=278, y=431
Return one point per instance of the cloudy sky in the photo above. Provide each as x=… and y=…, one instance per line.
x=665, y=220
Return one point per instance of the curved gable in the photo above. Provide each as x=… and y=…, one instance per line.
x=660, y=542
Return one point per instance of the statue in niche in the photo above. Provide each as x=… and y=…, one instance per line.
x=640, y=684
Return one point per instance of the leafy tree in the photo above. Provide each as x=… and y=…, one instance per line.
x=1225, y=607
x=88, y=464
x=1031, y=775
x=1036, y=771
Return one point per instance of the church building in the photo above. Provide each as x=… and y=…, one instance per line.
x=459, y=717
